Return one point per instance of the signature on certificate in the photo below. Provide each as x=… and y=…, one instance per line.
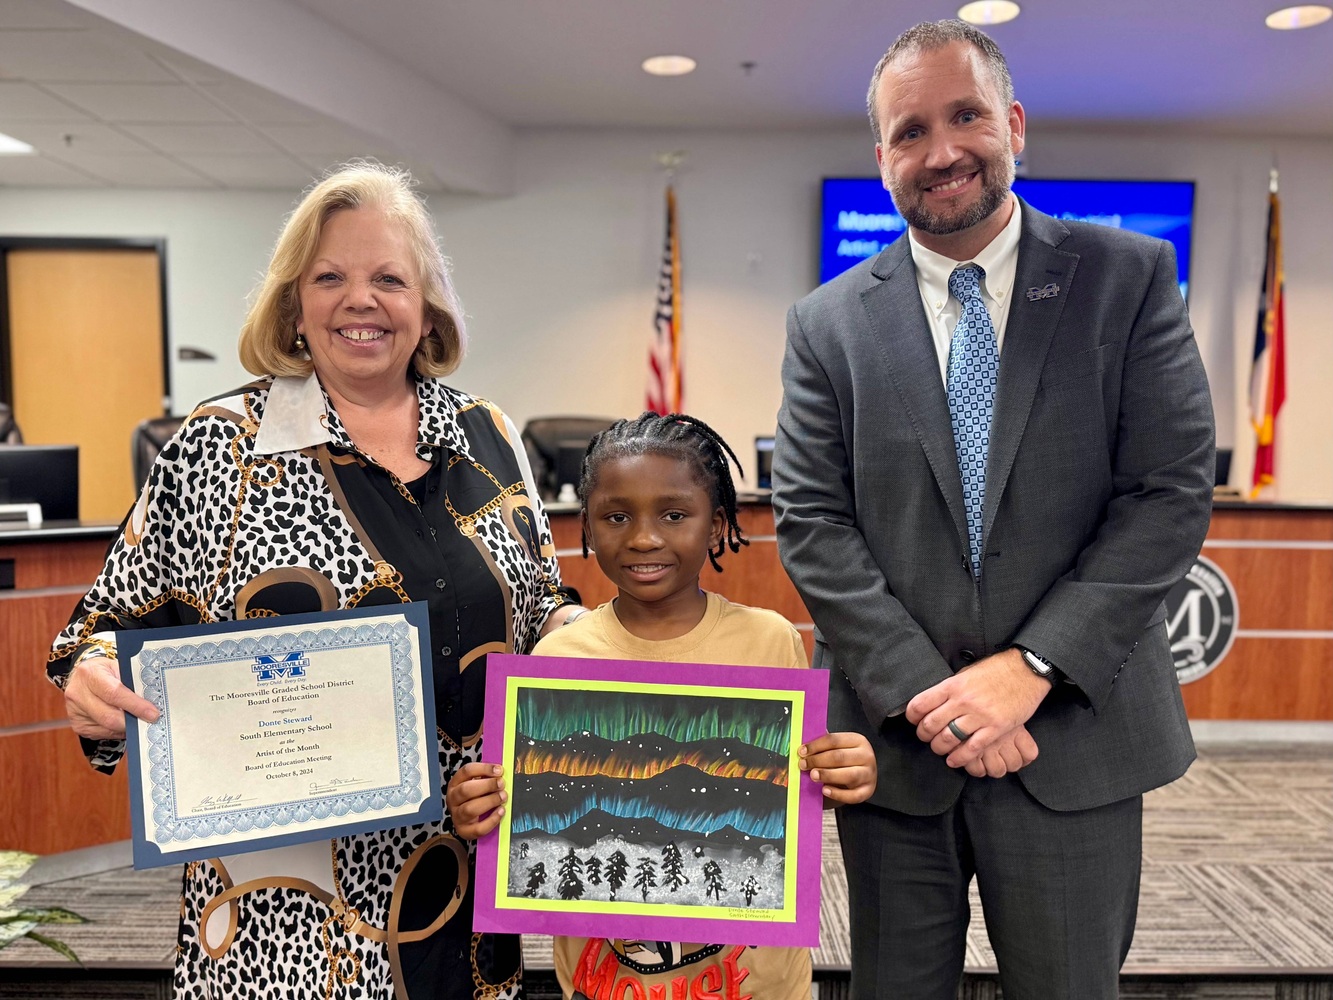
x=213, y=802
x=332, y=783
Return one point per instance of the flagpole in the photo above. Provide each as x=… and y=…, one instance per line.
x=665, y=388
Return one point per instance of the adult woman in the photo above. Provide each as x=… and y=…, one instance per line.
x=347, y=475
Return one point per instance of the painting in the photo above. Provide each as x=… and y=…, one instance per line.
x=652, y=801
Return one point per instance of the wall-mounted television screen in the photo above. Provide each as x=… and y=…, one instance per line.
x=859, y=219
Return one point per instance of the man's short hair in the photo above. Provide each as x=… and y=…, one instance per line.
x=930, y=35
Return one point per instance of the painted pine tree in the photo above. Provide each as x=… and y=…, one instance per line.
x=673, y=867
x=570, y=885
x=645, y=876
x=593, y=866
x=751, y=889
x=617, y=869
x=536, y=877
x=713, y=880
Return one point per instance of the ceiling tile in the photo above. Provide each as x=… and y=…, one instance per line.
x=84, y=137
x=139, y=170
x=259, y=106
x=38, y=171
x=142, y=102
x=327, y=139
x=21, y=101
x=196, y=139
x=263, y=172
x=75, y=56
x=30, y=14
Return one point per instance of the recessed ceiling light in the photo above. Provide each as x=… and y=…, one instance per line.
x=669, y=65
x=9, y=146
x=1305, y=16
x=988, y=11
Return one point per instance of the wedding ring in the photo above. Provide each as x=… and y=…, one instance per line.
x=957, y=730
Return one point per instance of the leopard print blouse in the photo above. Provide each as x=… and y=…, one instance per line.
x=261, y=505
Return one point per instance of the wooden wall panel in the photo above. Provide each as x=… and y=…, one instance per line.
x=53, y=800
x=69, y=562
x=1279, y=588
x=1258, y=522
x=1267, y=679
x=28, y=624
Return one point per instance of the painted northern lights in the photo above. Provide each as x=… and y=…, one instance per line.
x=687, y=766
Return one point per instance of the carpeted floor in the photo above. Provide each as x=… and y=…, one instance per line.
x=1237, y=900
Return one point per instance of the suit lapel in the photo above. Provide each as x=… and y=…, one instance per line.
x=900, y=330
x=1028, y=334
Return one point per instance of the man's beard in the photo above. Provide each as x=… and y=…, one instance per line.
x=997, y=177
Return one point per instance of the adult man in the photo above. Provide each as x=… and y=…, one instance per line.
x=987, y=477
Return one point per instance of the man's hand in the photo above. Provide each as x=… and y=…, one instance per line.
x=96, y=701
x=1013, y=751
x=986, y=701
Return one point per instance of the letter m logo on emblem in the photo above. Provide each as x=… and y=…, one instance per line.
x=273, y=668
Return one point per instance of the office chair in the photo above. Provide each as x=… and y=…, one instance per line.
x=9, y=430
x=545, y=438
x=147, y=440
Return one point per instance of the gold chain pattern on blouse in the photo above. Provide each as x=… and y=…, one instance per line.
x=485, y=990
x=467, y=523
x=347, y=916
x=387, y=576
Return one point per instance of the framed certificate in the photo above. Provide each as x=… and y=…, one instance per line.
x=280, y=730
x=652, y=801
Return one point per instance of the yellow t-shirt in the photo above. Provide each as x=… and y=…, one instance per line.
x=601, y=969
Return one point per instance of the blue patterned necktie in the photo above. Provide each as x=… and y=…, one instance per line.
x=974, y=368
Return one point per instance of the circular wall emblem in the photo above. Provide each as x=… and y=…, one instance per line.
x=1201, y=618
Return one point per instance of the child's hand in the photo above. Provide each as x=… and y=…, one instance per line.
x=844, y=764
x=475, y=799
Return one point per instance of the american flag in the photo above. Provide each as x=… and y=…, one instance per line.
x=664, y=378
x=1268, y=377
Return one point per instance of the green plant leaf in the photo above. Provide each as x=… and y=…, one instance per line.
x=11, y=932
x=55, y=945
x=52, y=915
x=13, y=864
x=10, y=893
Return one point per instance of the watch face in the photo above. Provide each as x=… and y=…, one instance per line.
x=1039, y=665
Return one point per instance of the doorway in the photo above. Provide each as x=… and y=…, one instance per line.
x=83, y=353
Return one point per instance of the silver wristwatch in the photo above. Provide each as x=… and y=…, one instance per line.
x=1039, y=665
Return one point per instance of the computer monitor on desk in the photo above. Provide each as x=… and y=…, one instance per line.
x=45, y=474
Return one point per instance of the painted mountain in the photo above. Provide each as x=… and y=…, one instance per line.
x=651, y=798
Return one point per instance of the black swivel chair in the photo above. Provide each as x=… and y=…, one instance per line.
x=148, y=439
x=9, y=430
x=545, y=438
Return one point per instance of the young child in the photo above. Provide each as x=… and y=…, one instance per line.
x=658, y=500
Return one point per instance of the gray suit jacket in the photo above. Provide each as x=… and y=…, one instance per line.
x=1098, y=498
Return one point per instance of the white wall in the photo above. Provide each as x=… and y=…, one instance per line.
x=559, y=280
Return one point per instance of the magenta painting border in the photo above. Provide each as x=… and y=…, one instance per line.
x=803, y=932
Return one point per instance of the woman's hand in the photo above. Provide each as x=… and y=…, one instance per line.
x=96, y=701
x=844, y=764
x=475, y=799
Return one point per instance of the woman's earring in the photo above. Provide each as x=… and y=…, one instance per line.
x=300, y=341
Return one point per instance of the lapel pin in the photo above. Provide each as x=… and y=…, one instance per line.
x=1045, y=292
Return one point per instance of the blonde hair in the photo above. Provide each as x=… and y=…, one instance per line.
x=268, y=337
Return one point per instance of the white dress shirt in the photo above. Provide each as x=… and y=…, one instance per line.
x=1000, y=262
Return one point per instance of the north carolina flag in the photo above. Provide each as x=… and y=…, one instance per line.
x=664, y=392
x=1268, y=377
